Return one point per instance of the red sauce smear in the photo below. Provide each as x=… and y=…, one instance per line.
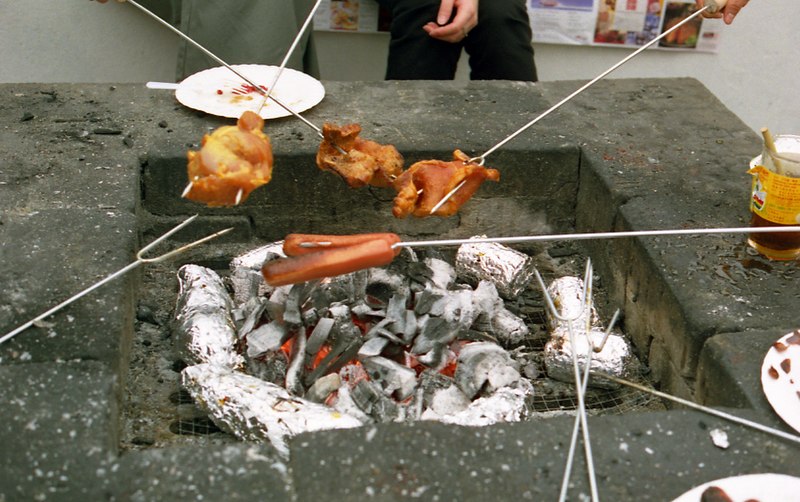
x=247, y=89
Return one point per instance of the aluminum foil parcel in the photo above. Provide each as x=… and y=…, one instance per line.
x=203, y=320
x=569, y=296
x=508, y=269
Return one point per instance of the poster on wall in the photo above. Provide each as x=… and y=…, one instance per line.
x=362, y=16
x=610, y=23
x=622, y=23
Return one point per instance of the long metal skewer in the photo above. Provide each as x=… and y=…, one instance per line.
x=577, y=236
x=213, y=56
x=580, y=418
x=140, y=259
x=289, y=53
x=705, y=409
x=711, y=7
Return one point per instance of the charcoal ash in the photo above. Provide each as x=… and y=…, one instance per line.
x=413, y=340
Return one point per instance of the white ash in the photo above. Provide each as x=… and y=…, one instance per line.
x=245, y=278
x=443, y=274
x=255, y=410
x=484, y=367
x=508, y=404
x=266, y=338
x=203, y=322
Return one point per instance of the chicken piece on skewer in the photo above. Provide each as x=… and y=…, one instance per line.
x=232, y=162
x=365, y=162
x=427, y=182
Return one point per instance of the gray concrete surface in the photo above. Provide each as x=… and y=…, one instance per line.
x=702, y=311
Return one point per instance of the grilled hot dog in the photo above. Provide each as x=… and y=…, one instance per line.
x=300, y=244
x=329, y=262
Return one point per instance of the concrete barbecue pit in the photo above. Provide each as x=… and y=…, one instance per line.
x=90, y=171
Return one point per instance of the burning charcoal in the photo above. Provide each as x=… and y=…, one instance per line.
x=483, y=368
x=246, y=275
x=373, y=347
x=246, y=284
x=255, y=410
x=456, y=307
x=433, y=331
x=345, y=348
x=396, y=312
x=323, y=388
x=431, y=382
x=508, y=404
x=410, y=326
x=418, y=272
x=615, y=358
x=203, y=319
x=379, y=329
x=270, y=366
x=393, y=377
x=369, y=397
x=319, y=335
x=424, y=300
x=295, y=369
x=253, y=310
x=298, y=294
x=508, y=269
x=266, y=338
x=383, y=283
x=448, y=401
x=436, y=358
x=443, y=274
x=567, y=295
x=506, y=327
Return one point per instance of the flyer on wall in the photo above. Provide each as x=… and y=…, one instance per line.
x=609, y=23
x=622, y=23
x=362, y=16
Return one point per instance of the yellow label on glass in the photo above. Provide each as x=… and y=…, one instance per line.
x=774, y=197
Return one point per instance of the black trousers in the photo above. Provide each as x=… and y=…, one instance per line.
x=499, y=47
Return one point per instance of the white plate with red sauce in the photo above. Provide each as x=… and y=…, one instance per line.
x=767, y=487
x=780, y=378
x=219, y=91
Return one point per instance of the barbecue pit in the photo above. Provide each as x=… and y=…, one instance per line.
x=96, y=167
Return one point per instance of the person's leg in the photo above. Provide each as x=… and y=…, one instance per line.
x=413, y=54
x=500, y=47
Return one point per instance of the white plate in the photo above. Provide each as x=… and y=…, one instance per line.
x=780, y=378
x=761, y=487
x=221, y=92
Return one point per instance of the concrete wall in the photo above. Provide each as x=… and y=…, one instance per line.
x=755, y=74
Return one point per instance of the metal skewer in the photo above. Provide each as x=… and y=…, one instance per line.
x=140, y=259
x=580, y=383
x=577, y=236
x=297, y=38
x=711, y=7
x=705, y=409
x=591, y=236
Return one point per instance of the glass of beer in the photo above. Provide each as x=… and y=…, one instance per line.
x=775, y=198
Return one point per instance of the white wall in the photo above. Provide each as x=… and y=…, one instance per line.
x=756, y=73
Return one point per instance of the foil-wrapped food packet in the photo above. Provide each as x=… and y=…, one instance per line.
x=508, y=269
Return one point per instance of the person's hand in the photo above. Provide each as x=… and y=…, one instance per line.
x=728, y=12
x=455, y=30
